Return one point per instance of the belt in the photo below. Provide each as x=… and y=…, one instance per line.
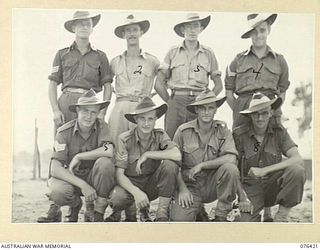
x=270, y=93
x=74, y=90
x=129, y=98
x=186, y=92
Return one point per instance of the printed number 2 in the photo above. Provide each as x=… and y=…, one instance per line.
x=139, y=70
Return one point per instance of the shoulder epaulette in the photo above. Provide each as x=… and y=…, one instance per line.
x=67, y=125
x=126, y=135
x=186, y=125
x=243, y=52
x=241, y=129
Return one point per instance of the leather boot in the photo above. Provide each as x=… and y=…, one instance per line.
x=89, y=213
x=162, y=213
x=74, y=212
x=54, y=215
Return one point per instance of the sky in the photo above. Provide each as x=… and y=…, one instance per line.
x=39, y=33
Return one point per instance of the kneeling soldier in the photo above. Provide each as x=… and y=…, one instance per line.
x=144, y=164
x=82, y=162
x=208, y=169
x=267, y=179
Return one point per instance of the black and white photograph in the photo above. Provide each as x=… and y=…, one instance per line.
x=131, y=116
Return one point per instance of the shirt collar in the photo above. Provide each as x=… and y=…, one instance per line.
x=194, y=124
x=142, y=53
x=74, y=46
x=76, y=127
x=270, y=130
x=269, y=50
x=152, y=138
x=200, y=47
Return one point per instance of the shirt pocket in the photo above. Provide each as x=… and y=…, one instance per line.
x=179, y=70
x=272, y=155
x=92, y=70
x=144, y=81
x=270, y=76
x=70, y=66
x=192, y=155
x=201, y=73
x=244, y=75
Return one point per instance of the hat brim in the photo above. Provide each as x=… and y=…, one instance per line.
x=144, y=25
x=270, y=20
x=160, y=111
x=68, y=24
x=204, y=23
x=218, y=101
x=103, y=104
x=274, y=103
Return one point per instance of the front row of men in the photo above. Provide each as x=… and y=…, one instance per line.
x=203, y=163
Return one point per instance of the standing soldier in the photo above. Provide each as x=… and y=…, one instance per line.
x=186, y=72
x=267, y=179
x=258, y=69
x=77, y=68
x=134, y=72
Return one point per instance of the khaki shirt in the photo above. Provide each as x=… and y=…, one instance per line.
x=69, y=142
x=193, y=151
x=277, y=143
x=248, y=73
x=193, y=73
x=129, y=151
x=87, y=71
x=139, y=80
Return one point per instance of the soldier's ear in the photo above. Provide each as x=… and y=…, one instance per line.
x=201, y=28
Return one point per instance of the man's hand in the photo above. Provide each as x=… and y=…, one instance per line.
x=141, y=199
x=257, y=172
x=58, y=118
x=74, y=163
x=195, y=170
x=185, y=198
x=141, y=160
x=246, y=206
x=89, y=192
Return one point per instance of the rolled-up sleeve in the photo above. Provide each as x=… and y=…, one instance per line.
x=56, y=71
x=105, y=70
x=214, y=67
x=284, y=76
x=121, y=154
x=165, y=142
x=230, y=78
x=227, y=145
x=61, y=149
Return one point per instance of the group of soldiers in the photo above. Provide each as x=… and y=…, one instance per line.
x=196, y=159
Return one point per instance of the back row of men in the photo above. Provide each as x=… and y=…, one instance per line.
x=194, y=161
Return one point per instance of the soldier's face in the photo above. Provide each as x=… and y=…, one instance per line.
x=259, y=35
x=261, y=118
x=206, y=112
x=87, y=115
x=132, y=33
x=146, y=122
x=191, y=30
x=83, y=28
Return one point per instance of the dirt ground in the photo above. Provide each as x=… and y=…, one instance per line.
x=29, y=202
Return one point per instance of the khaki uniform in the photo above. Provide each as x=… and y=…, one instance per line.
x=247, y=74
x=158, y=177
x=284, y=187
x=210, y=185
x=186, y=77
